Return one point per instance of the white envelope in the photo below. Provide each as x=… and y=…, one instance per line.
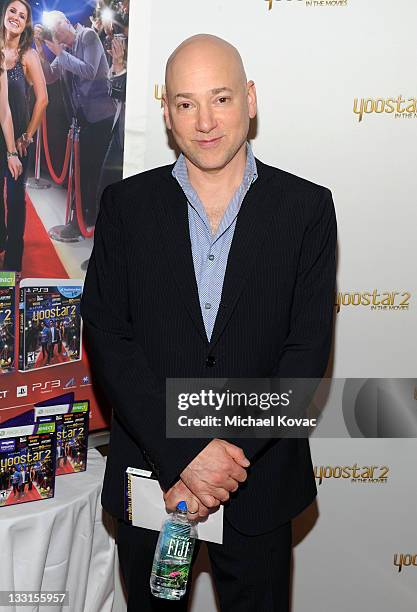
x=148, y=507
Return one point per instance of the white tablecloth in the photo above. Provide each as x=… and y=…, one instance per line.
x=61, y=544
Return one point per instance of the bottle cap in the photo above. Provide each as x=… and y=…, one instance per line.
x=182, y=506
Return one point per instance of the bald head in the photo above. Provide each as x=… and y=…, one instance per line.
x=200, y=50
x=208, y=102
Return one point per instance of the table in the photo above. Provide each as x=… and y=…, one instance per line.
x=61, y=544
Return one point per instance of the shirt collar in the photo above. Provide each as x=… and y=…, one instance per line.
x=180, y=172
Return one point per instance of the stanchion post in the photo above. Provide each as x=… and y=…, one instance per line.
x=69, y=214
x=69, y=232
x=36, y=182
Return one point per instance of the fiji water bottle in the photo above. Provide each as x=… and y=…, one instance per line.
x=173, y=554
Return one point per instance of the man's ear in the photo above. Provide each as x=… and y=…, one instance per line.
x=166, y=110
x=252, y=100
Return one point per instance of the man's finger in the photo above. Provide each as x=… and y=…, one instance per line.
x=207, y=500
x=237, y=454
x=170, y=502
x=238, y=473
x=203, y=512
x=192, y=505
x=232, y=485
x=193, y=508
x=211, y=501
x=225, y=482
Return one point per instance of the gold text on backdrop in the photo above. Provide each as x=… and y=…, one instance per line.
x=384, y=300
x=355, y=473
x=158, y=92
x=404, y=560
x=401, y=106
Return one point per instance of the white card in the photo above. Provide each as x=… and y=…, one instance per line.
x=148, y=507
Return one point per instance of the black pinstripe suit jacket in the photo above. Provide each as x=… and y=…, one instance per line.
x=143, y=324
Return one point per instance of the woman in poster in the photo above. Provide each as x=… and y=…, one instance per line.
x=13, y=162
x=23, y=71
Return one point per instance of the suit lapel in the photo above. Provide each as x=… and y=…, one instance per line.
x=248, y=237
x=249, y=233
x=173, y=214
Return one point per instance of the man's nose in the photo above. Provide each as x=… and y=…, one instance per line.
x=206, y=120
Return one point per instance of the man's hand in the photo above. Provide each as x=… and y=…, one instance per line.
x=39, y=40
x=216, y=472
x=179, y=492
x=21, y=147
x=117, y=52
x=55, y=47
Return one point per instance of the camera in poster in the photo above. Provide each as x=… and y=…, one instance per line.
x=65, y=66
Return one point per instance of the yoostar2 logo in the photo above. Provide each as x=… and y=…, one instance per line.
x=384, y=300
x=401, y=560
x=398, y=107
x=367, y=473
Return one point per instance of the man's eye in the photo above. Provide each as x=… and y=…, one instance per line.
x=223, y=99
x=184, y=105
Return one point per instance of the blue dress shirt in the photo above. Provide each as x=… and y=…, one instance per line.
x=210, y=252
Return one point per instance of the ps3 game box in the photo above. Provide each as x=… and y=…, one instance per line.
x=49, y=322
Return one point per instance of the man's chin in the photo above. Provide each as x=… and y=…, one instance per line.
x=208, y=163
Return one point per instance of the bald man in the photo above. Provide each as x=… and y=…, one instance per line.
x=224, y=267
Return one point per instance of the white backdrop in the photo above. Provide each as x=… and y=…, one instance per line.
x=309, y=62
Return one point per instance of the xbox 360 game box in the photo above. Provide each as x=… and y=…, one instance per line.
x=7, y=321
x=72, y=421
x=27, y=463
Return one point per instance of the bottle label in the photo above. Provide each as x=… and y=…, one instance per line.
x=172, y=566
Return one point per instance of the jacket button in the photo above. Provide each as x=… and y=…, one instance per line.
x=210, y=361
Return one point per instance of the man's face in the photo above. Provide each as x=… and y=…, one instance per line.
x=208, y=106
x=61, y=30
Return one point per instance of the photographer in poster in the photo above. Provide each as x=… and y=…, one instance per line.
x=80, y=62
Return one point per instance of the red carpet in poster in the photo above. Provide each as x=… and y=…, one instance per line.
x=40, y=260
x=28, y=496
x=57, y=358
x=65, y=469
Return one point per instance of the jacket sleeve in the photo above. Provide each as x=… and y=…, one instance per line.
x=118, y=362
x=87, y=67
x=305, y=352
x=306, y=349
